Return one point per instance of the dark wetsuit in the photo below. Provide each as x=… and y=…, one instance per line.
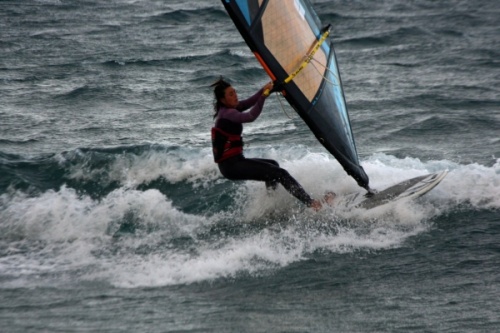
x=241, y=168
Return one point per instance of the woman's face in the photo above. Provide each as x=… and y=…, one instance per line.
x=230, y=99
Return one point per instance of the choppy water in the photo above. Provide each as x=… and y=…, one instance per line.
x=114, y=218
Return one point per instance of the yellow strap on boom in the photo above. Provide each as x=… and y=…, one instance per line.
x=307, y=59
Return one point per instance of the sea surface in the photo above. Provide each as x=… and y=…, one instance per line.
x=114, y=218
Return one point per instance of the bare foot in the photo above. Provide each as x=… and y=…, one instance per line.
x=316, y=205
x=328, y=199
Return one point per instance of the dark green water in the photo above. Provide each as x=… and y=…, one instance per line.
x=113, y=217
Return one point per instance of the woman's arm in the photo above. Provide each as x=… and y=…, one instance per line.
x=244, y=117
x=245, y=104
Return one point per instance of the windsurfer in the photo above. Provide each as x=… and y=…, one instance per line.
x=227, y=144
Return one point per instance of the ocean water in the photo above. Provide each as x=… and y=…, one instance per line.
x=114, y=218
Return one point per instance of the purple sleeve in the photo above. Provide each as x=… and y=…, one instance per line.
x=244, y=117
x=245, y=104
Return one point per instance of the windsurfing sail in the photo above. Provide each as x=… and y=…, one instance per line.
x=289, y=41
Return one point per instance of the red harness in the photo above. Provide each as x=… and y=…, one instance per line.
x=225, y=145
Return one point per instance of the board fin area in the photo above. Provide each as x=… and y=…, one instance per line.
x=408, y=189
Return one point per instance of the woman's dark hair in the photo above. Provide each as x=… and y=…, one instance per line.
x=219, y=92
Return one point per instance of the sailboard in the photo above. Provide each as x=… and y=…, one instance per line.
x=407, y=189
x=290, y=42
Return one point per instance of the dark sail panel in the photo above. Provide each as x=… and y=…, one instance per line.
x=286, y=37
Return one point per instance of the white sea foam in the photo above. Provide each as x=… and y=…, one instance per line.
x=365, y=231
x=65, y=231
x=190, y=165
